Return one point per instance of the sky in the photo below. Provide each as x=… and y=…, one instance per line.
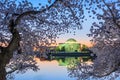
x=80, y=35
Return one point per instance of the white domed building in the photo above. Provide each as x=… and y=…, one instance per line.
x=71, y=45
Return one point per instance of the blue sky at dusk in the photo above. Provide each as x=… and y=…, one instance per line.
x=80, y=35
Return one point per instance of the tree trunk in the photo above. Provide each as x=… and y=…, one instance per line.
x=2, y=73
x=2, y=68
x=7, y=52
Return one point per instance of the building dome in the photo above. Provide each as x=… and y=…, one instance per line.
x=71, y=40
x=71, y=45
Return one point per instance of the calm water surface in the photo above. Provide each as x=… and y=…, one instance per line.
x=49, y=70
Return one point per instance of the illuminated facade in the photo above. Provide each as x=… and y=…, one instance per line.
x=71, y=45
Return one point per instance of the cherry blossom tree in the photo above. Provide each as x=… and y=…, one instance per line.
x=24, y=27
x=106, y=37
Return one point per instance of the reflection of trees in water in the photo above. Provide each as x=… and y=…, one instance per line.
x=80, y=70
x=85, y=71
x=66, y=61
x=20, y=64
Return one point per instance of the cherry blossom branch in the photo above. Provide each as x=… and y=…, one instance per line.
x=33, y=12
x=113, y=17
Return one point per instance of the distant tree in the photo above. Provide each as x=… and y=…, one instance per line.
x=84, y=48
x=57, y=48
x=63, y=48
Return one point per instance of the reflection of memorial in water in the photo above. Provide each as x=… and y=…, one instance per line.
x=77, y=67
x=72, y=60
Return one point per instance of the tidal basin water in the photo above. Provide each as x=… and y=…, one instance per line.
x=49, y=70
